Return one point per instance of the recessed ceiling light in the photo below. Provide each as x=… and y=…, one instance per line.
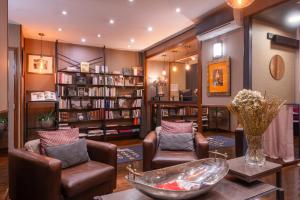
x=111, y=21
x=64, y=12
x=150, y=28
x=83, y=39
x=131, y=0
x=59, y=29
x=178, y=10
x=132, y=40
x=294, y=19
x=99, y=35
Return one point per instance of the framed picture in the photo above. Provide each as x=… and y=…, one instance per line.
x=218, y=77
x=40, y=65
x=85, y=67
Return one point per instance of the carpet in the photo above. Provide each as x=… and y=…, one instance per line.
x=129, y=154
x=217, y=142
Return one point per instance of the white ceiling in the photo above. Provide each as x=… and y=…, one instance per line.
x=87, y=18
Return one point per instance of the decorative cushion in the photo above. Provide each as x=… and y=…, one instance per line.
x=33, y=146
x=69, y=154
x=175, y=127
x=54, y=138
x=177, y=142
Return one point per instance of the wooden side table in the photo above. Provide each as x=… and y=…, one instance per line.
x=239, y=169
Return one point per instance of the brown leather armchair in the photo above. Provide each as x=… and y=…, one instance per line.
x=35, y=177
x=154, y=158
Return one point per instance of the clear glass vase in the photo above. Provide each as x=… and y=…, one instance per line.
x=255, y=153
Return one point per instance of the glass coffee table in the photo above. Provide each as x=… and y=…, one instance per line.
x=227, y=189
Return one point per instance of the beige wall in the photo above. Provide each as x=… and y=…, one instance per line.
x=234, y=47
x=179, y=78
x=117, y=59
x=3, y=54
x=262, y=52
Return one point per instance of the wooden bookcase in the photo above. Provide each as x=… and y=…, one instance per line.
x=103, y=105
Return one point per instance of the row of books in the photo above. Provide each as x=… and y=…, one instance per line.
x=101, y=92
x=101, y=69
x=124, y=114
x=103, y=103
x=64, y=78
x=91, y=115
x=135, y=71
x=138, y=93
x=137, y=103
x=179, y=112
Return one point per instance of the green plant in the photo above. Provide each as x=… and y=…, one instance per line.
x=46, y=116
x=3, y=120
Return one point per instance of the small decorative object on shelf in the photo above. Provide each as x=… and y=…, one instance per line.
x=160, y=85
x=84, y=67
x=3, y=123
x=47, y=120
x=255, y=112
x=43, y=96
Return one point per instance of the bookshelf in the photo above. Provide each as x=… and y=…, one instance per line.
x=102, y=104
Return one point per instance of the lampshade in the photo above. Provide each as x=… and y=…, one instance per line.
x=238, y=4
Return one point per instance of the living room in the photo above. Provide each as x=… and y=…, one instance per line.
x=140, y=99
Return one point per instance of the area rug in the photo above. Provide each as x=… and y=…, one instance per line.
x=129, y=154
x=217, y=142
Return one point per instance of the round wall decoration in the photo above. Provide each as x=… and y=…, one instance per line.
x=277, y=67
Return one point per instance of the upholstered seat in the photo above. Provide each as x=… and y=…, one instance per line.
x=80, y=178
x=154, y=158
x=169, y=158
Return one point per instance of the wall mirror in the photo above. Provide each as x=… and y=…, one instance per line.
x=277, y=67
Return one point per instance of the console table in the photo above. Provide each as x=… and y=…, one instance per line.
x=249, y=174
x=226, y=189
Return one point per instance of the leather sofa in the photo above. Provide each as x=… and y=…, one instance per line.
x=154, y=158
x=38, y=177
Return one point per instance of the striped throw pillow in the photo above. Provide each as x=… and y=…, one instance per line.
x=59, y=137
x=175, y=127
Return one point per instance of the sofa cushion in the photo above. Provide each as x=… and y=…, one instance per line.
x=176, y=127
x=177, y=142
x=59, y=137
x=69, y=154
x=80, y=178
x=169, y=158
x=33, y=146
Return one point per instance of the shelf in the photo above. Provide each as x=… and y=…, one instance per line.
x=95, y=97
x=134, y=108
x=121, y=127
x=81, y=85
x=81, y=121
x=42, y=101
x=78, y=110
x=74, y=72
x=102, y=74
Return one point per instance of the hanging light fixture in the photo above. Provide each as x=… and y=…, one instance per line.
x=164, y=72
x=239, y=4
x=41, y=61
x=187, y=65
x=174, y=68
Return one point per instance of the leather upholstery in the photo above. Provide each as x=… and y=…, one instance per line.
x=155, y=158
x=35, y=177
x=80, y=178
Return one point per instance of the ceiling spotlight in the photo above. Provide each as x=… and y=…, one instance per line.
x=187, y=67
x=111, y=21
x=64, y=12
x=178, y=10
x=59, y=29
x=294, y=19
x=83, y=40
x=150, y=28
x=99, y=35
x=131, y=0
x=132, y=40
x=174, y=68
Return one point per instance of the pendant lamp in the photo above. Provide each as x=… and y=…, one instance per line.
x=239, y=4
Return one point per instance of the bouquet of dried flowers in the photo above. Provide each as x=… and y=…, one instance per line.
x=255, y=112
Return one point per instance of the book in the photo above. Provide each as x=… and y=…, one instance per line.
x=43, y=96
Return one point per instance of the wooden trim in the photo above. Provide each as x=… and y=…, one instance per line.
x=247, y=74
x=261, y=5
x=199, y=87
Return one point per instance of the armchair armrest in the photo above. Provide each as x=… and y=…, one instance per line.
x=105, y=153
x=33, y=176
x=149, y=150
x=201, y=145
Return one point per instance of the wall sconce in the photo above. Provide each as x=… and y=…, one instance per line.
x=218, y=50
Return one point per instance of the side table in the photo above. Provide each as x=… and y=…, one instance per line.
x=239, y=169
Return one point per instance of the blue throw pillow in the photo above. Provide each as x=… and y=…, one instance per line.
x=69, y=154
x=176, y=141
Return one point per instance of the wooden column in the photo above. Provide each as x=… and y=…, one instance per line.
x=3, y=53
x=199, y=86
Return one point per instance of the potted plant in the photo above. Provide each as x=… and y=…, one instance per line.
x=46, y=120
x=3, y=123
